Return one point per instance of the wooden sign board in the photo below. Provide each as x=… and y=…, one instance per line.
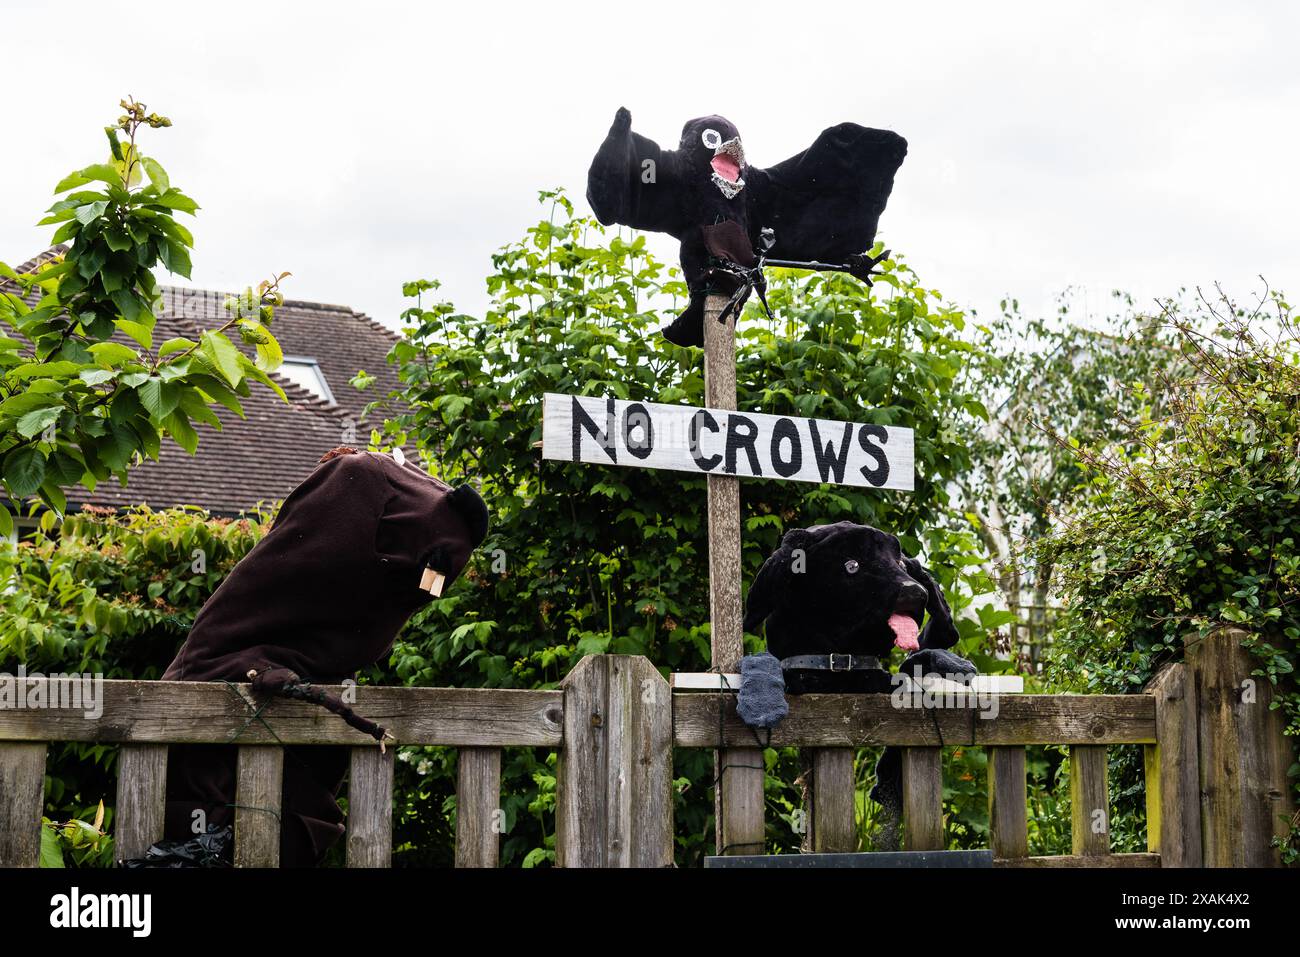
x=606, y=431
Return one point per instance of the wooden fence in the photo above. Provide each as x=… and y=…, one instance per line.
x=1215, y=762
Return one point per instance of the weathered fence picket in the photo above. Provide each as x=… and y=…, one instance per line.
x=370, y=808
x=1172, y=771
x=22, y=792
x=141, y=799
x=923, y=799
x=1008, y=803
x=259, y=779
x=1246, y=799
x=832, y=821
x=478, y=800
x=614, y=783
x=1089, y=801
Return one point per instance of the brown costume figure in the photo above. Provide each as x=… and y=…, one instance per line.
x=358, y=547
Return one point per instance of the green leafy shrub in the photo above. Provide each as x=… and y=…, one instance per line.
x=583, y=559
x=1193, y=523
x=112, y=595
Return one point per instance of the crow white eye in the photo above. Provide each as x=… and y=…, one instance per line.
x=711, y=138
x=851, y=566
x=902, y=564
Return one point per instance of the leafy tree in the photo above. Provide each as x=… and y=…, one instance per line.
x=1057, y=383
x=582, y=559
x=83, y=394
x=1191, y=521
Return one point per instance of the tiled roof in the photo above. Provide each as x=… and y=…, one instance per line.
x=341, y=340
x=262, y=457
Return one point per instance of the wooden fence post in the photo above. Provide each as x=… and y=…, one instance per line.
x=259, y=782
x=478, y=801
x=923, y=799
x=141, y=799
x=1245, y=796
x=614, y=801
x=22, y=796
x=370, y=807
x=1089, y=800
x=1172, y=771
x=739, y=771
x=1008, y=808
x=738, y=798
x=833, y=825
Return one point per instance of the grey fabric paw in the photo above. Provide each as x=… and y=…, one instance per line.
x=761, y=702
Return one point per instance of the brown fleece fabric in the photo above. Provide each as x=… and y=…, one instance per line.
x=323, y=594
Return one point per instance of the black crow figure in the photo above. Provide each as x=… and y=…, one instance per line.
x=820, y=205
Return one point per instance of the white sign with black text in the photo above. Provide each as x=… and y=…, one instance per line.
x=606, y=431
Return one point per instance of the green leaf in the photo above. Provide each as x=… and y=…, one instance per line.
x=63, y=468
x=103, y=172
x=110, y=354
x=90, y=212
x=174, y=199
x=51, y=851
x=23, y=402
x=174, y=345
x=223, y=355
x=138, y=331
x=157, y=175
x=93, y=377
x=71, y=181
x=175, y=257
x=36, y=421
x=24, y=470
x=192, y=404
x=159, y=398
x=179, y=428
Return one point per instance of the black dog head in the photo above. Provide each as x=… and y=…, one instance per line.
x=848, y=589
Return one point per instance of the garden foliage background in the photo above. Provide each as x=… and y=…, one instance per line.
x=583, y=559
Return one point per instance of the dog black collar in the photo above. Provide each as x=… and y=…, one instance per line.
x=831, y=663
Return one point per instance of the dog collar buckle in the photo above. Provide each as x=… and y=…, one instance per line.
x=840, y=662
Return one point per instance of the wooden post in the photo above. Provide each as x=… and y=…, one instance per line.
x=834, y=828
x=923, y=799
x=738, y=798
x=1008, y=815
x=614, y=801
x=1089, y=802
x=141, y=799
x=258, y=786
x=1245, y=797
x=22, y=796
x=478, y=802
x=370, y=808
x=1172, y=771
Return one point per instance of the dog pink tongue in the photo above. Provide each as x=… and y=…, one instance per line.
x=904, y=629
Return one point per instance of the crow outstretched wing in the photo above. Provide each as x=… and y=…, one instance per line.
x=633, y=182
x=825, y=203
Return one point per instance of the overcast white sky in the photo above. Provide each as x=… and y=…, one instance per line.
x=1138, y=146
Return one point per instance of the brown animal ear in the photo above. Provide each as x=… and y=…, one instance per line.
x=336, y=452
x=773, y=579
x=939, y=631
